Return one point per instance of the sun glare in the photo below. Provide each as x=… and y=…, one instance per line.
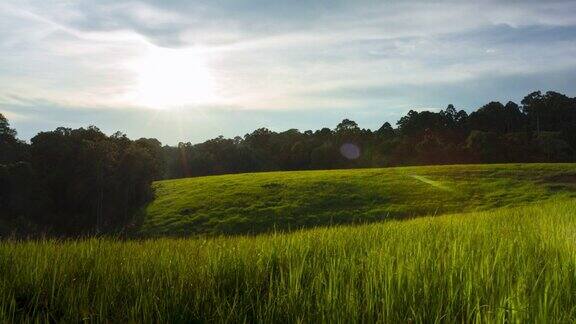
x=169, y=78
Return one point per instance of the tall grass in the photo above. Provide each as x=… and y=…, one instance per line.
x=506, y=265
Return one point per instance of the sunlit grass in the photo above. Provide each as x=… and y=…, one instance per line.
x=261, y=202
x=513, y=264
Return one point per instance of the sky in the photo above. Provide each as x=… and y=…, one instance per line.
x=186, y=71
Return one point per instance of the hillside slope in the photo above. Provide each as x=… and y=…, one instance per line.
x=260, y=202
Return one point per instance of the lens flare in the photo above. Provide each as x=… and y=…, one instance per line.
x=350, y=151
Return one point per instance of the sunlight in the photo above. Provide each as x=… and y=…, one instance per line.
x=169, y=78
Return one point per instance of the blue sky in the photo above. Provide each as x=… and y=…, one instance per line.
x=193, y=70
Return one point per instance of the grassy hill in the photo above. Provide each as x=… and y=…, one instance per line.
x=261, y=202
x=507, y=265
x=504, y=253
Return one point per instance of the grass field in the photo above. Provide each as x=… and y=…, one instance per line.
x=506, y=252
x=260, y=202
x=511, y=265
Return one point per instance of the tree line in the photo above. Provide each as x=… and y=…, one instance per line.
x=541, y=129
x=74, y=181
x=82, y=181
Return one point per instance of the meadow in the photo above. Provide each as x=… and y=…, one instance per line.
x=505, y=254
x=260, y=202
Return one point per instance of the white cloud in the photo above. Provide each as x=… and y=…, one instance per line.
x=278, y=55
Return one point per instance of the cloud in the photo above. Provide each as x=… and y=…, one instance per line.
x=75, y=60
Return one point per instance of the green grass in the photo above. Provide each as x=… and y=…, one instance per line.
x=505, y=253
x=507, y=265
x=261, y=202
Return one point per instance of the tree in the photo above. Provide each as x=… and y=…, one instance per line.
x=324, y=156
x=532, y=106
x=431, y=150
x=495, y=117
x=385, y=131
x=347, y=126
x=324, y=133
x=12, y=150
x=484, y=146
x=553, y=148
x=5, y=130
x=454, y=118
x=415, y=124
x=94, y=183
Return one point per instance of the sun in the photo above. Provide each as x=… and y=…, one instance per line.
x=167, y=78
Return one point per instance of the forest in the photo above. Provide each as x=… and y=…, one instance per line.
x=75, y=182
